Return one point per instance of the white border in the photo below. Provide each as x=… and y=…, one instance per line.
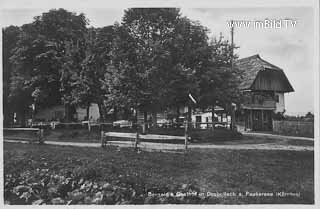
x=78, y=4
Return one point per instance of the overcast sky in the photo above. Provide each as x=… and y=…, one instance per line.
x=290, y=48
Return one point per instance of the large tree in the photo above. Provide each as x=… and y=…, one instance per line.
x=90, y=85
x=157, y=55
x=190, y=53
x=151, y=61
x=141, y=57
x=10, y=36
x=219, y=81
x=49, y=55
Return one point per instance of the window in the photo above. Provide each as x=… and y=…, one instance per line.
x=277, y=98
x=260, y=99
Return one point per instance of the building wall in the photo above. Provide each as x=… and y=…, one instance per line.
x=207, y=117
x=52, y=113
x=93, y=113
x=58, y=113
x=280, y=105
x=183, y=109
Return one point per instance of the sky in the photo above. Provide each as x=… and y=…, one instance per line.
x=290, y=48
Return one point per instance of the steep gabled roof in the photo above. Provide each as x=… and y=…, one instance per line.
x=259, y=74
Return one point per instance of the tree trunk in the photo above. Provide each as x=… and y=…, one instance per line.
x=189, y=119
x=145, y=120
x=154, y=119
x=178, y=114
x=127, y=114
x=6, y=114
x=233, y=117
x=212, y=117
x=101, y=111
x=70, y=110
x=22, y=118
x=136, y=115
x=88, y=111
x=7, y=117
x=66, y=112
x=114, y=113
x=8, y=120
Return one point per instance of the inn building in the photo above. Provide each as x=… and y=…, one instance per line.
x=264, y=86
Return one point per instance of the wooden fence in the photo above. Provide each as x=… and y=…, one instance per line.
x=294, y=128
x=39, y=137
x=136, y=137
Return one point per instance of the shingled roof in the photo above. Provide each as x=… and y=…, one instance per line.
x=259, y=74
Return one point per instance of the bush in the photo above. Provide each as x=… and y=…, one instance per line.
x=219, y=134
x=167, y=131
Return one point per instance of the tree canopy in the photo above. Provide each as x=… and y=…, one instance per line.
x=151, y=61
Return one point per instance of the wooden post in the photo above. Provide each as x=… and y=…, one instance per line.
x=251, y=121
x=102, y=139
x=145, y=121
x=212, y=117
x=186, y=143
x=89, y=127
x=262, y=121
x=143, y=128
x=40, y=135
x=154, y=119
x=136, y=141
x=246, y=116
x=233, y=117
x=53, y=125
x=186, y=137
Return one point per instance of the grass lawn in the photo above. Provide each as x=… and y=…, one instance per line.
x=45, y=174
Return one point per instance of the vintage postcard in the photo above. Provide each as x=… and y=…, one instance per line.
x=160, y=103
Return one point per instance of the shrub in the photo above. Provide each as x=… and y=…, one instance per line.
x=167, y=131
x=219, y=134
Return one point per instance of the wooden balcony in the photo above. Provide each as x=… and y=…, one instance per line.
x=259, y=102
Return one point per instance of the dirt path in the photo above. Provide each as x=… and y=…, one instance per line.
x=149, y=146
x=278, y=136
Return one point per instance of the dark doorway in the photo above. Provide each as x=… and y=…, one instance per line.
x=198, y=121
x=257, y=120
x=262, y=120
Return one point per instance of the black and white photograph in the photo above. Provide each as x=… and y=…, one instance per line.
x=164, y=103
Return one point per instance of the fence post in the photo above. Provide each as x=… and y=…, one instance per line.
x=102, y=139
x=53, y=125
x=144, y=127
x=136, y=141
x=89, y=127
x=40, y=136
x=186, y=136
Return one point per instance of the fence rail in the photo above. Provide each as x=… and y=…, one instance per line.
x=144, y=125
x=21, y=129
x=39, y=131
x=136, y=137
x=136, y=134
